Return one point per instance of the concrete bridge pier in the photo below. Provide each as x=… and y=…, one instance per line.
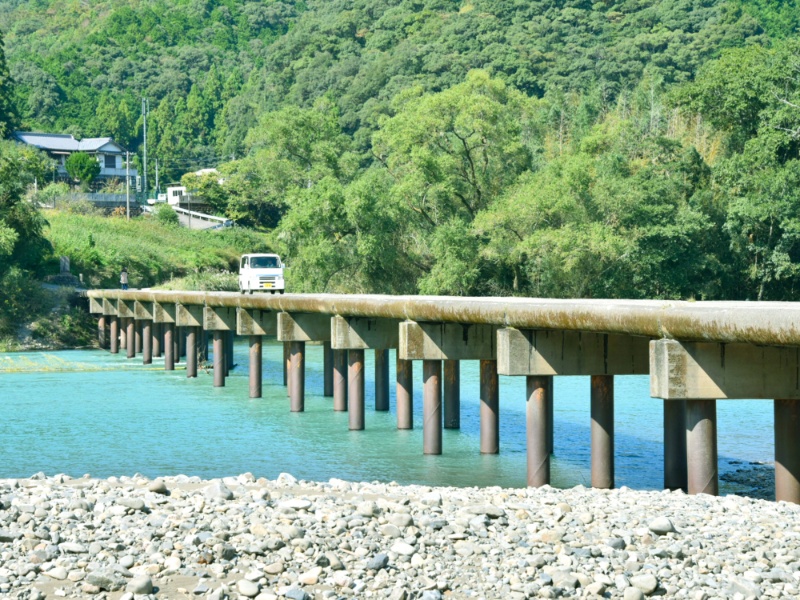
x=787, y=450
x=169, y=346
x=701, y=447
x=536, y=420
x=405, y=393
x=355, y=388
x=123, y=334
x=297, y=376
x=113, y=333
x=256, y=323
x=130, y=337
x=286, y=356
x=101, y=331
x=192, y=334
x=157, y=335
x=219, y=358
x=327, y=369
x=675, y=476
x=340, y=361
x=602, y=408
x=490, y=408
x=221, y=320
x=381, y=379
x=542, y=354
x=297, y=329
x=147, y=341
x=452, y=394
x=177, y=332
x=256, y=347
x=190, y=320
x=229, y=346
x=437, y=342
x=182, y=333
x=138, y=336
x=431, y=406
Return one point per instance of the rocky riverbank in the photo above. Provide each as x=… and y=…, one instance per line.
x=239, y=537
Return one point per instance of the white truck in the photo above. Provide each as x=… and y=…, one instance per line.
x=261, y=273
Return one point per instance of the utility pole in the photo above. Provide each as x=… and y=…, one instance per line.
x=127, y=186
x=145, y=110
x=157, y=190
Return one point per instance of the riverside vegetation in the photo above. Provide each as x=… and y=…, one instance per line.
x=635, y=149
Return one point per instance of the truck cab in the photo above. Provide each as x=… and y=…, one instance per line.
x=261, y=273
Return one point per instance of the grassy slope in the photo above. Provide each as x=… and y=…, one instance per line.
x=98, y=248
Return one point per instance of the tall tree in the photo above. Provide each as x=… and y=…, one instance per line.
x=8, y=115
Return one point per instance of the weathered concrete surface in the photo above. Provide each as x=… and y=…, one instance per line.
x=125, y=308
x=163, y=312
x=769, y=323
x=696, y=370
x=219, y=318
x=447, y=341
x=532, y=352
x=143, y=311
x=109, y=307
x=96, y=306
x=188, y=315
x=255, y=321
x=360, y=333
x=304, y=327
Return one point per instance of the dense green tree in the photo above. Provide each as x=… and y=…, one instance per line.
x=7, y=108
x=82, y=167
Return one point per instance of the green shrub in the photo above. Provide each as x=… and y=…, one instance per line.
x=165, y=215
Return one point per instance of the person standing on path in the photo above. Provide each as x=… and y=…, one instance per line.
x=123, y=278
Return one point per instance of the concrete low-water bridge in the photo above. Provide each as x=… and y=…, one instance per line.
x=694, y=352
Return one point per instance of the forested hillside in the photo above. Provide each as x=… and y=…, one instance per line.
x=560, y=148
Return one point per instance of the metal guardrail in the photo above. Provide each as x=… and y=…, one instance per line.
x=221, y=221
x=762, y=323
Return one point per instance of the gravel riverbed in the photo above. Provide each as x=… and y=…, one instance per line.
x=242, y=537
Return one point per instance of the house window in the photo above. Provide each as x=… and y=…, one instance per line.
x=111, y=161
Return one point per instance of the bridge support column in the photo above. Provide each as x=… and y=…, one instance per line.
x=147, y=342
x=192, y=333
x=537, y=419
x=157, y=335
x=297, y=376
x=675, y=445
x=602, y=400
x=219, y=358
x=101, y=331
x=551, y=411
x=169, y=347
x=432, y=407
x=138, y=337
x=255, y=365
x=183, y=331
x=286, y=356
x=381, y=380
x=176, y=344
x=355, y=388
x=452, y=394
x=130, y=337
x=701, y=446
x=405, y=394
x=340, y=376
x=490, y=408
x=787, y=451
x=229, y=347
x=327, y=369
x=113, y=334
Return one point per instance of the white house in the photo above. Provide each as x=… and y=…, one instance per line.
x=59, y=146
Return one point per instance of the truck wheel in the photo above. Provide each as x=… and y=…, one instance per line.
x=280, y=292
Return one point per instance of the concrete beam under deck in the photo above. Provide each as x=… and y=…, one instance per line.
x=712, y=371
x=255, y=321
x=304, y=327
x=164, y=312
x=143, y=311
x=190, y=315
x=219, y=318
x=96, y=306
x=532, y=352
x=447, y=341
x=359, y=333
x=125, y=308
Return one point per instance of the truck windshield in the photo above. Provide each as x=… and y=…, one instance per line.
x=264, y=262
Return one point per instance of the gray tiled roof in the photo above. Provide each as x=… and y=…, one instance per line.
x=61, y=142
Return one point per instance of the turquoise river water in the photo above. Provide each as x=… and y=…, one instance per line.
x=87, y=411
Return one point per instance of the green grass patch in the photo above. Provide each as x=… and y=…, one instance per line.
x=154, y=253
